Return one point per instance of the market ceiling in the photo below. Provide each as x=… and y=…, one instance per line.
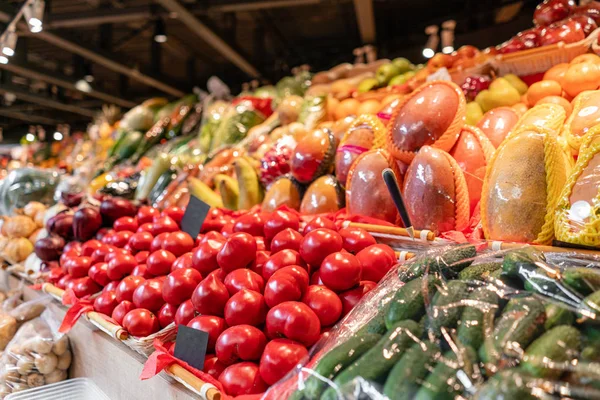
x=113, y=42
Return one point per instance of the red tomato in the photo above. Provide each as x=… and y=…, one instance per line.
x=213, y=366
x=315, y=278
x=73, y=247
x=100, y=253
x=214, y=224
x=55, y=274
x=142, y=270
x=293, y=320
x=145, y=227
x=260, y=259
x=160, y=262
x=121, y=310
x=163, y=224
x=112, y=254
x=180, y=285
x=183, y=261
x=350, y=298
x=279, y=260
x=227, y=229
x=286, y=239
x=85, y=287
x=318, y=244
x=106, y=303
x=251, y=223
x=278, y=221
x=376, y=261
x=340, y=271
x=287, y=284
x=242, y=378
x=246, y=307
x=98, y=273
x=146, y=214
x=210, y=296
x=325, y=303
x=319, y=222
x=219, y=274
x=240, y=343
x=120, y=239
x=141, y=241
x=185, y=313
x=64, y=281
x=212, y=325
x=127, y=286
x=101, y=232
x=63, y=261
x=238, y=251
x=356, y=239
x=141, y=323
x=175, y=213
x=107, y=238
x=88, y=248
x=178, y=243
x=213, y=235
x=279, y=358
x=149, y=295
x=79, y=267
x=204, y=258
x=158, y=241
x=112, y=286
x=260, y=243
x=126, y=224
x=166, y=315
x=141, y=257
x=243, y=279
x=121, y=265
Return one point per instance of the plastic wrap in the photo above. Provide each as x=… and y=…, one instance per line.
x=14, y=312
x=36, y=356
x=515, y=324
x=237, y=120
x=24, y=185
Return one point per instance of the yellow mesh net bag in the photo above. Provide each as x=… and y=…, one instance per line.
x=578, y=211
x=585, y=115
x=521, y=187
x=550, y=117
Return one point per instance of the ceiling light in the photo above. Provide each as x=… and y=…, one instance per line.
x=83, y=86
x=432, y=41
x=29, y=137
x=89, y=78
x=9, y=43
x=447, y=49
x=448, y=36
x=3, y=60
x=57, y=136
x=160, y=32
x=34, y=14
x=87, y=73
x=428, y=53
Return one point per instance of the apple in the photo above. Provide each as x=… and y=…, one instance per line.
x=467, y=51
x=551, y=11
x=567, y=31
x=592, y=10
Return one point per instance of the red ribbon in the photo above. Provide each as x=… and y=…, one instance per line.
x=352, y=149
x=78, y=308
x=261, y=105
x=36, y=286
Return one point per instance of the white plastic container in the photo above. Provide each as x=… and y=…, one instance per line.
x=71, y=389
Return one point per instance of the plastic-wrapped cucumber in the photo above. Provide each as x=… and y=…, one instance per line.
x=163, y=181
x=238, y=120
x=160, y=165
x=404, y=379
x=313, y=111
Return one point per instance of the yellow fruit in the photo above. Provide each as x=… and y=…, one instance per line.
x=347, y=107
x=369, y=107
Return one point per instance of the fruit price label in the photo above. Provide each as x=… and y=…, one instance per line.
x=190, y=346
x=195, y=214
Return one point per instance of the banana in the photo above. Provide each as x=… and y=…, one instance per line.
x=228, y=189
x=202, y=191
x=251, y=192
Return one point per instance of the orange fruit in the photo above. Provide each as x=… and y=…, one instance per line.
x=520, y=108
x=347, y=107
x=389, y=98
x=332, y=104
x=561, y=101
x=588, y=57
x=369, y=107
x=541, y=89
x=557, y=73
x=342, y=86
x=580, y=77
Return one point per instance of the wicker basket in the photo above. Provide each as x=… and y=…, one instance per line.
x=145, y=346
x=541, y=59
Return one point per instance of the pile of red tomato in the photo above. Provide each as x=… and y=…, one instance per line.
x=265, y=287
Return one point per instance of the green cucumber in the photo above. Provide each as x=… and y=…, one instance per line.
x=409, y=302
x=477, y=317
x=479, y=271
x=558, y=345
x=376, y=363
x=521, y=322
x=590, y=307
x=335, y=360
x=403, y=381
x=521, y=258
x=452, y=261
x=509, y=384
x=442, y=383
x=558, y=315
x=584, y=280
x=446, y=307
x=159, y=166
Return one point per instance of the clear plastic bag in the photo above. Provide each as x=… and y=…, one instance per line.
x=454, y=324
x=36, y=356
x=24, y=185
x=14, y=312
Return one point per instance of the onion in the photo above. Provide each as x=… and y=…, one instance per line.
x=61, y=224
x=49, y=248
x=71, y=199
x=114, y=208
x=86, y=222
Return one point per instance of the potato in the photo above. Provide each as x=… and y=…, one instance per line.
x=46, y=363
x=61, y=345
x=55, y=376
x=35, y=380
x=27, y=311
x=38, y=345
x=64, y=360
x=8, y=328
x=25, y=364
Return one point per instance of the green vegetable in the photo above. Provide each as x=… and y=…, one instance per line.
x=453, y=261
x=313, y=111
x=558, y=345
x=336, y=360
x=404, y=379
x=159, y=166
x=509, y=384
x=163, y=181
x=521, y=258
x=376, y=324
x=238, y=121
x=584, y=280
x=153, y=136
x=446, y=306
x=408, y=302
x=479, y=271
x=590, y=307
x=521, y=322
x=120, y=136
x=375, y=363
x=477, y=317
x=558, y=315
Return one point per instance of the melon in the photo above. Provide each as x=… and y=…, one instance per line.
x=521, y=188
x=313, y=155
x=472, y=152
x=497, y=123
x=585, y=115
x=435, y=192
x=548, y=116
x=324, y=195
x=432, y=115
x=283, y=192
x=366, y=192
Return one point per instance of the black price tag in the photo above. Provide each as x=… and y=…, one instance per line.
x=190, y=346
x=194, y=216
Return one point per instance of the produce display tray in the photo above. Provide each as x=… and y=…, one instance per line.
x=71, y=389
